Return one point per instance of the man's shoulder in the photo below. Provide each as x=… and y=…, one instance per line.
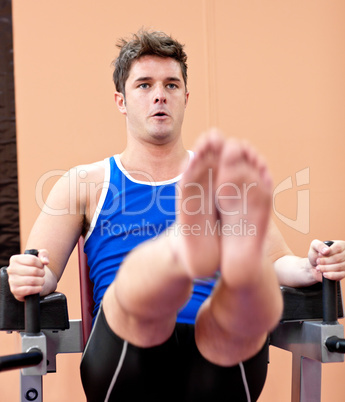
x=91, y=172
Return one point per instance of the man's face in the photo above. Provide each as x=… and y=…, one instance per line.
x=156, y=99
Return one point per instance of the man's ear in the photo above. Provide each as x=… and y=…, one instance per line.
x=120, y=102
x=187, y=97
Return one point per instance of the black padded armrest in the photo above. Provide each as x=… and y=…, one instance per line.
x=299, y=304
x=306, y=303
x=53, y=308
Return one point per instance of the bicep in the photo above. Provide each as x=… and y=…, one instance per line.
x=58, y=225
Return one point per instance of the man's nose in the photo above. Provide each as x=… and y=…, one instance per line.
x=159, y=94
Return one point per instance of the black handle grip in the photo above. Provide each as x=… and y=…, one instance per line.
x=329, y=298
x=32, y=308
x=21, y=360
x=335, y=344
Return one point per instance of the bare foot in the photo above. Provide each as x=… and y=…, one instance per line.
x=243, y=197
x=196, y=243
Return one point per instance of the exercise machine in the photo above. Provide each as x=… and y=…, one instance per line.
x=309, y=329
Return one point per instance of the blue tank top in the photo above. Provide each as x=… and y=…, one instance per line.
x=130, y=212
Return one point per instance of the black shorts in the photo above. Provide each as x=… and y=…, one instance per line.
x=114, y=370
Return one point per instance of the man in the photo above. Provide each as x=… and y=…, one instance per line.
x=188, y=313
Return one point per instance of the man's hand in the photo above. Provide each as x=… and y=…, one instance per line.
x=26, y=274
x=327, y=261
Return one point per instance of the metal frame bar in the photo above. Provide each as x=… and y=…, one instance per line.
x=306, y=341
x=50, y=342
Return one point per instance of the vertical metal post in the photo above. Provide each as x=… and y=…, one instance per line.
x=30, y=388
x=31, y=385
x=306, y=373
x=306, y=379
x=310, y=380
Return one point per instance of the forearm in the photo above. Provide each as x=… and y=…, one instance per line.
x=294, y=271
x=50, y=282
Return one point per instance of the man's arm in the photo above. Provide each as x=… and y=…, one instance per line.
x=55, y=234
x=298, y=271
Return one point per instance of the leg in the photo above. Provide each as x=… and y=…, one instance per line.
x=155, y=280
x=233, y=324
x=114, y=370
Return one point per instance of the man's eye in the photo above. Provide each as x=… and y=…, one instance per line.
x=144, y=86
x=172, y=86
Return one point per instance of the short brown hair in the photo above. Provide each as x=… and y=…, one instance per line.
x=146, y=43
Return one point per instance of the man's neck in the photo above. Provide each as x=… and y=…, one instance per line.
x=148, y=162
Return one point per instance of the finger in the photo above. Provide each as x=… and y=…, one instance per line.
x=21, y=292
x=333, y=259
x=29, y=260
x=17, y=281
x=26, y=260
x=22, y=286
x=19, y=273
x=336, y=255
x=313, y=252
x=337, y=247
x=43, y=255
x=23, y=270
x=21, y=259
x=320, y=247
x=331, y=268
x=334, y=276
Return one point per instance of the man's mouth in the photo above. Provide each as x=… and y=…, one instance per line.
x=160, y=114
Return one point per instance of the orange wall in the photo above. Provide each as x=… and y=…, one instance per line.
x=270, y=71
